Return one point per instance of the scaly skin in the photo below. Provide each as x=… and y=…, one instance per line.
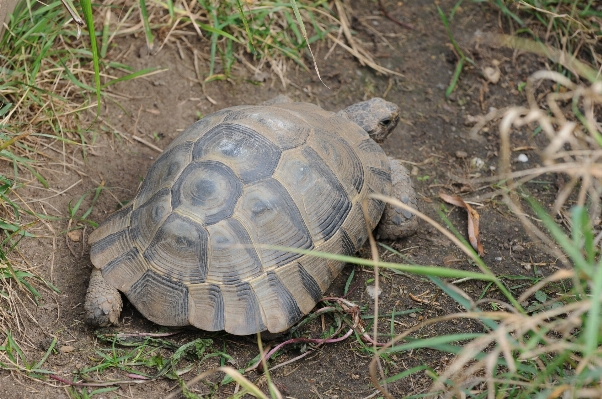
x=376, y=116
x=103, y=302
x=395, y=222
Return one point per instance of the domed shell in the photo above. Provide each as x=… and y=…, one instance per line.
x=201, y=244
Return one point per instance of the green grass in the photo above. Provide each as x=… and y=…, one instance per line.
x=13, y=358
x=43, y=68
x=462, y=59
x=550, y=345
x=567, y=32
x=573, y=26
x=523, y=354
x=266, y=31
x=44, y=86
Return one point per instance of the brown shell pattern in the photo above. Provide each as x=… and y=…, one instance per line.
x=193, y=247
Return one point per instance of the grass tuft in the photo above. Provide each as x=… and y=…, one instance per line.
x=551, y=348
x=573, y=26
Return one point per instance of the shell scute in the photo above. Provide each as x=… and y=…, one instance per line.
x=284, y=128
x=316, y=189
x=278, y=304
x=233, y=257
x=206, y=307
x=273, y=219
x=244, y=314
x=160, y=299
x=125, y=270
x=179, y=250
x=248, y=153
x=164, y=172
x=206, y=191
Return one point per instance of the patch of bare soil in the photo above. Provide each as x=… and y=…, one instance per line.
x=432, y=140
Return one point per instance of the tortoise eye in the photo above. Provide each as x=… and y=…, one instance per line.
x=385, y=122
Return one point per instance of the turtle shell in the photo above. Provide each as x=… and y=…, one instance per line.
x=202, y=242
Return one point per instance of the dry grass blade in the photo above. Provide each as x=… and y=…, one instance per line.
x=375, y=259
x=524, y=348
x=473, y=221
x=443, y=230
x=568, y=61
x=264, y=31
x=557, y=276
x=570, y=143
x=357, y=51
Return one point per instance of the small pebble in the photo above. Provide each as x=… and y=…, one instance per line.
x=66, y=349
x=75, y=235
x=498, y=258
x=527, y=267
x=492, y=74
x=412, y=315
x=518, y=248
x=522, y=158
x=371, y=290
x=461, y=154
x=477, y=163
x=470, y=120
x=143, y=51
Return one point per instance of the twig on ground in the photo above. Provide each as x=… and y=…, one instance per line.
x=95, y=383
x=357, y=326
x=146, y=143
x=392, y=18
x=154, y=335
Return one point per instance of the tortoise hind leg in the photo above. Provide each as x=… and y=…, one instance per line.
x=103, y=302
x=395, y=222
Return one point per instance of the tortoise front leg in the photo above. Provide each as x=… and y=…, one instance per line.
x=103, y=302
x=398, y=223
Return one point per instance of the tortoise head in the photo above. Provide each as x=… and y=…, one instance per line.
x=376, y=116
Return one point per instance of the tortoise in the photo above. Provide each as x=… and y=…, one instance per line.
x=202, y=242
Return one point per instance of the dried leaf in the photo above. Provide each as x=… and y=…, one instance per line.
x=473, y=221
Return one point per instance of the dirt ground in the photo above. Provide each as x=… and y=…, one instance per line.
x=432, y=139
